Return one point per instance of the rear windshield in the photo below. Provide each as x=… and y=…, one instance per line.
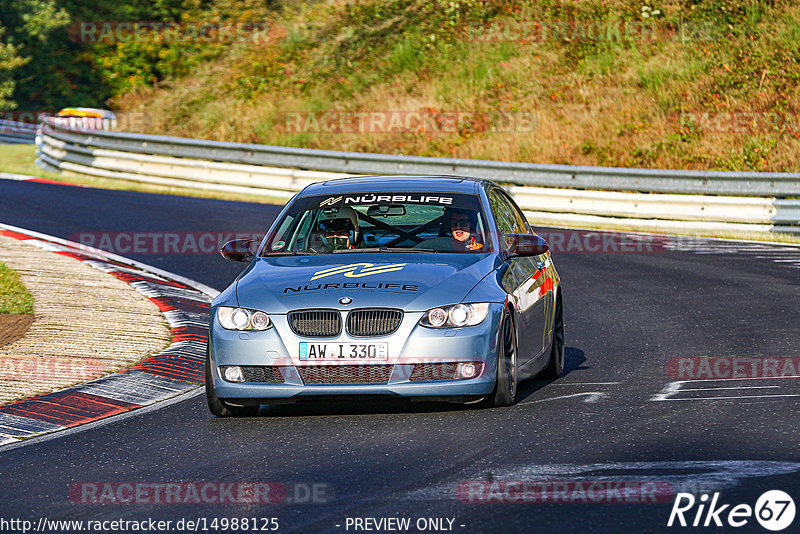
x=381, y=222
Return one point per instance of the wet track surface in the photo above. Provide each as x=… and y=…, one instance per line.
x=619, y=414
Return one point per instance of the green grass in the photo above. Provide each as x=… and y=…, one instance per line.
x=406, y=54
x=14, y=297
x=410, y=55
x=20, y=159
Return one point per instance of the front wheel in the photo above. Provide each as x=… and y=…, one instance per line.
x=505, y=388
x=555, y=369
x=217, y=406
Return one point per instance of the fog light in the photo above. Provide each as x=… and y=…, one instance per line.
x=468, y=370
x=233, y=374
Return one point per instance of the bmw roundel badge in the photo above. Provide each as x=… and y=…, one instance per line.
x=345, y=301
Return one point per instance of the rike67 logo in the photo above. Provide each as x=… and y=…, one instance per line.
x=774, y=510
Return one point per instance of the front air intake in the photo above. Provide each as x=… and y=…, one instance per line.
x=315, y=323
x=262, y=374
x=371, y=322
x=346, y=374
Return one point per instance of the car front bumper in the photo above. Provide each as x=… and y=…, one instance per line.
x=410, y=345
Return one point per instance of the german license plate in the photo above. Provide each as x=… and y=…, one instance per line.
x=351, y=352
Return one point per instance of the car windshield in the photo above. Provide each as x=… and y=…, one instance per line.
x=381, y=222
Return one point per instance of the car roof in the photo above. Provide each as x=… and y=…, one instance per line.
x=405, y=183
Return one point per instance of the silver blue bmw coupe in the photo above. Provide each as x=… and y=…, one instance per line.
x=430, y=288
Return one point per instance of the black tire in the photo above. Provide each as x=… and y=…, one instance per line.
x=505, y=387
x=555, y=369
x=217, y=406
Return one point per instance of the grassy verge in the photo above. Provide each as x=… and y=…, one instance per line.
x=676, y=84
x=14, y=297
x=20, y=159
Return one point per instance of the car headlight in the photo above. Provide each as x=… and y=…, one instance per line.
x=455, y=316
x=242, y=319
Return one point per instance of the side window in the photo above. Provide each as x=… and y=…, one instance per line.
x=299, y=239
x=522, y=222
x=280, y=234
x=508, y=218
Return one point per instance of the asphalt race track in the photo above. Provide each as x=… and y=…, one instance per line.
x=620, y=413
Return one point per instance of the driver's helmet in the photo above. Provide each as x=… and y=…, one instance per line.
x=339, y=227
x=461, y=214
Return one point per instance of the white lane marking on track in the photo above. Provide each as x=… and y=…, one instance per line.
x=736, y=397
x=583, y=383
x=687, y=476
x=591, y=396
x=788, y=377
x=16, y=177
x=737, y=387
x=669, y=390
x=787, y=254
x=672, y=389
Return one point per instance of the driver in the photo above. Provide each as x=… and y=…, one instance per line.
x=462, y=227
x=339, y=228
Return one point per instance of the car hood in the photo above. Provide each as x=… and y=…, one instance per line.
x=413, y=282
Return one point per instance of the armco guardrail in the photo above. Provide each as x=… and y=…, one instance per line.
x=17, y=132
x=551, y=194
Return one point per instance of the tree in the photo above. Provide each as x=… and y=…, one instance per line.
x=9, y=62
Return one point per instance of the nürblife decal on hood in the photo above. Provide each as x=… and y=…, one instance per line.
x=417, y=198
x=355, y=270
x=381, y=286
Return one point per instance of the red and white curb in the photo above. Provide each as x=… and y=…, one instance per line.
x=177, y=369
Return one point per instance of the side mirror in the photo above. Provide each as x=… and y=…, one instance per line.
x=239, y=250
x=525, y=244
